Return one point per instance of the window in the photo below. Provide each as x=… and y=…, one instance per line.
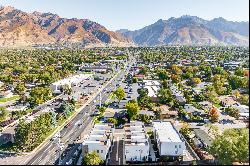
x=97, y=151
x=175, y=146
x=179, y=146
x=101, y=151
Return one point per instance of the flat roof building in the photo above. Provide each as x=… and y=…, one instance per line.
x=136, y=142
x=99, y=140
x=70, y=81
x=168, y=139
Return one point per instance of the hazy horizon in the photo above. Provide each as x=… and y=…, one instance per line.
x=137, y=14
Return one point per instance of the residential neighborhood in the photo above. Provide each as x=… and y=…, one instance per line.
x=129, y=109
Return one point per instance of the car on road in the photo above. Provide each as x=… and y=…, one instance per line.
x=69, y=162
x=200, y=124
x=129, y=97
x=67, y=125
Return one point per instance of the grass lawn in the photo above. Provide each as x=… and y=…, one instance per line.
x=9, y=99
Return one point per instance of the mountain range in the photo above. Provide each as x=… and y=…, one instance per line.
x=18, y=28
x=191, y=30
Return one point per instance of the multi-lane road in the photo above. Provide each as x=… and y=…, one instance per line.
x=49, y=153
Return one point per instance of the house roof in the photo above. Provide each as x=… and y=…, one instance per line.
x=205, y=138
x=166, y=132
x=227, y=100
x=145, y=112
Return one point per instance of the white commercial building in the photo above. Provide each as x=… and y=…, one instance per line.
x=98, y=140
x=168, y=139
x=136, y=142
x=70, y=81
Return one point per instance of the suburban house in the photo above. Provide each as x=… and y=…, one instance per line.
x=232, y=64
x=166, y=112
x=177, y=94
x=198, y=89
x=202, y=139
x=243, y=109
x=70, y=81
x=168, y=139
x=206, y=105
x=7, y=135
x=189, y=108
x=136, y=142
x=146, y=112
x=227, y=101
x=6, y=94
x=99, y=140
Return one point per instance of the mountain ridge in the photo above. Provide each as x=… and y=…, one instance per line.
x=191, y=30
x=18, y=28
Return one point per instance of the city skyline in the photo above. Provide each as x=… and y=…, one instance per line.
x=125, y=15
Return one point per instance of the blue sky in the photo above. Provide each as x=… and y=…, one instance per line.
x=135, y=14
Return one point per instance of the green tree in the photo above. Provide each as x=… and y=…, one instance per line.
x=119, y=94
x=162, y=74
x=185, y=130
x=239, y=72
x=3, y=114
x=244, y=99
x=132, y=109
x=231, y=146
x=92, y=158
x=112, y=120
x=135, y=80
x=164, y=95
x=39, y=95
x=143, y=99
x=19, y=89
x=232, y=112
x=195, y=81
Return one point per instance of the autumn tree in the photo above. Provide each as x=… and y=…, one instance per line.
x=214, y=115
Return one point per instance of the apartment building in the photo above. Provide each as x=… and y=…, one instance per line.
x=168, y=139
x=136, y=142
x=99, y=140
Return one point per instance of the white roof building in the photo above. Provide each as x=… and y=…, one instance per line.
x=70, y=81
x=153, y=86
x=136, y=142
x=168, y=139
x=98, y=140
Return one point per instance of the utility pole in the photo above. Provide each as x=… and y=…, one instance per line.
x=100, y=99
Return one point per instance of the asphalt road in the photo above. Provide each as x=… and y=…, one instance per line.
x=49, y=155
